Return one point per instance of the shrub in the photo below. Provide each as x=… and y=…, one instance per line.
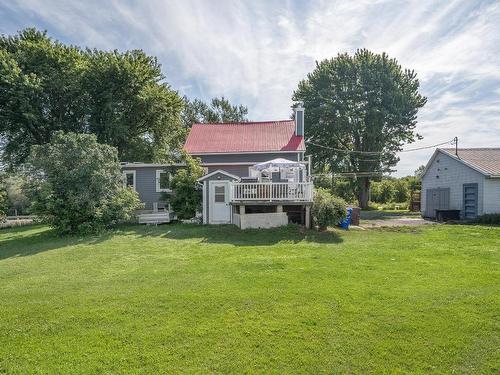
x=327, y=209
x=3, y=204
x=488, y=219
x=186, y=196
x=18, y=202
x=76, y=184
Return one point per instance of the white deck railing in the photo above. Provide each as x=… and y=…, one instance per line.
x=271, y=191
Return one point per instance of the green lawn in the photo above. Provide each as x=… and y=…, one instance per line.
x=195, y=299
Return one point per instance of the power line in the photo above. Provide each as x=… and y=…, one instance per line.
x=346, y=151
x=374, y=153
x=451, y=142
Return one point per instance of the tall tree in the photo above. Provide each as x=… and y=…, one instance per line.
x=46, y=86
x=365, y=105
x=219, y=110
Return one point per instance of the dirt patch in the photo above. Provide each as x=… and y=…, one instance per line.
x=396, y=222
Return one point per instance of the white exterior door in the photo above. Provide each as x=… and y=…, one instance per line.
x=220, y=210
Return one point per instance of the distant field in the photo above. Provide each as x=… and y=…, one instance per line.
x=193, y=299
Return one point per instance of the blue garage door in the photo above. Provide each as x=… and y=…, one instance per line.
x=470, y=201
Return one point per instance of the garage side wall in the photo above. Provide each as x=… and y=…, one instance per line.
x=491, y=196
x=445, y=172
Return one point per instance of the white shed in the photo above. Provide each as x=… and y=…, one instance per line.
x=466, y=179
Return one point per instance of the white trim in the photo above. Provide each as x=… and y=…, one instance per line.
x=227, y=192
x=218, y=171
x=158, y=189
x=125, y=173
x=135, y=165
x=244, y=152
x=205, y=202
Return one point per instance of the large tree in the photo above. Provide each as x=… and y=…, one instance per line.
x=46, y=86
x=218, y=110
x=360, y=111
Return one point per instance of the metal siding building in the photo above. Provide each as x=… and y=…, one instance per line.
x=467, y=182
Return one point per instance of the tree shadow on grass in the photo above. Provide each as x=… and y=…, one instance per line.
x=31, y=240
x=230, y=234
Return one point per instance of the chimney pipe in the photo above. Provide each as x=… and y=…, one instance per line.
x=299, y=119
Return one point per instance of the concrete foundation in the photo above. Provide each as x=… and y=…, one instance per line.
x=264, y=220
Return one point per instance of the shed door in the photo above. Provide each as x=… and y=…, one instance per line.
x=220, y=210
x=470, y=201
x=437, y=199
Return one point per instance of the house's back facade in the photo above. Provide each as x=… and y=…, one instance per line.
x=231, y=186
x=236, y=147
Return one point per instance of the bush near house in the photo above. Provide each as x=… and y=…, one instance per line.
x=186, y=196
x=327, y=209
x=76, y=184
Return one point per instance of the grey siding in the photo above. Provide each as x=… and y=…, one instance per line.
x=491, y=196
x=145, y=184
x=238, y=170
x=446, y=172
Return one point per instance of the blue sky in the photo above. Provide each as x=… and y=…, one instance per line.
x=255, y=52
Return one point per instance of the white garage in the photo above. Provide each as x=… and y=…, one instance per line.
x=466, y=179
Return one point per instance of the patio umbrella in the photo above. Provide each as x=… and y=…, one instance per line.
x=278, y=163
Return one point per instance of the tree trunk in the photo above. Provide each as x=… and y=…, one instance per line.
x=363, y=191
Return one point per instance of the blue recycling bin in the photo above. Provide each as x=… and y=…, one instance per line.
x=347, y=221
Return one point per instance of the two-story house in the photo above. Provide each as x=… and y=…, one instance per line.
x=257, y=174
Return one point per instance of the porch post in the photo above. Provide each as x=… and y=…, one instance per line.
x=242, y=209
x=308, y=217
x=279, y=208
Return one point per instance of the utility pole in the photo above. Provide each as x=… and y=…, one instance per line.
x=456, y=146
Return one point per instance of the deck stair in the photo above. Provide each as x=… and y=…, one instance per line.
x=156, y=218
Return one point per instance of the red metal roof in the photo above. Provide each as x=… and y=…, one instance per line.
x=244, y=137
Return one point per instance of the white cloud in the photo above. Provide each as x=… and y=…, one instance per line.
x=256, y=52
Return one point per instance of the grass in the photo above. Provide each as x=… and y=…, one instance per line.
x=193, y=299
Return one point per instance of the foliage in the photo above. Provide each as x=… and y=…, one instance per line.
x=18, y=202
x=327, y=209
x=342, y=188
x=365, y=102
x=419, y=172
x=401, y=191
x=186, y=196
x=46, y=86
x=416, y=300
x=76, y=184
x=3, y=203
x=488, y=219
x=219, y=110
x=383, y=191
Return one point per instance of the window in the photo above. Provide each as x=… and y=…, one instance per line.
x=163, y=179
x=290, y=174
x=129, y=179
x=220, y=194
x=252, y=172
